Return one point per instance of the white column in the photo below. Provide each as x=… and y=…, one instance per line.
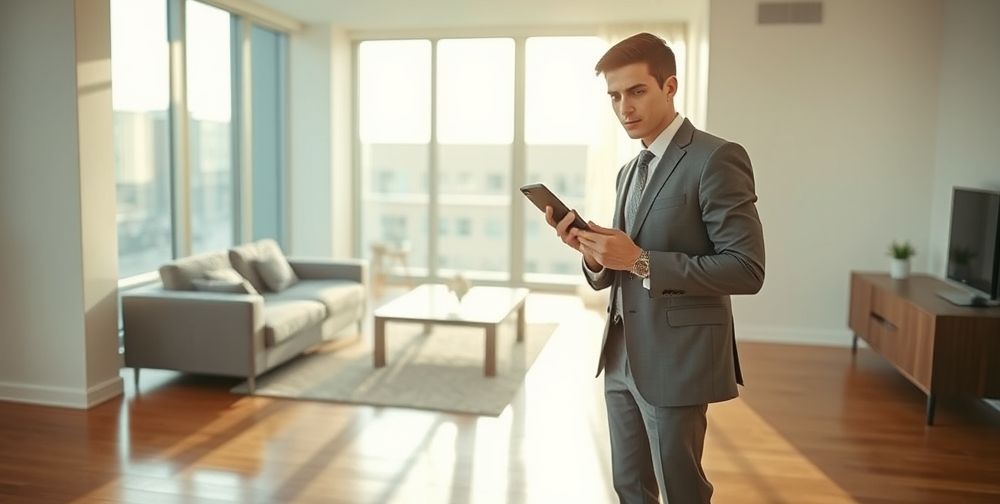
x=58, y=247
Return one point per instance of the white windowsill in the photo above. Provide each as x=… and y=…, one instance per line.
x=139, y=280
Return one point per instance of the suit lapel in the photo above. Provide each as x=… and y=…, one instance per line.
x=664, y=168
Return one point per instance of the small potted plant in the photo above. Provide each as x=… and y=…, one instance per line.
x=901, y=254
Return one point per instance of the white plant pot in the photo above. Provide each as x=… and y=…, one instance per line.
x=899, y=269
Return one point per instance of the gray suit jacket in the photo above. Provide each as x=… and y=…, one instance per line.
x=698, y=221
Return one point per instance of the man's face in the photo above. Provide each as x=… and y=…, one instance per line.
x=643, y=107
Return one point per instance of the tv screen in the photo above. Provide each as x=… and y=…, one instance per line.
x=973, y=255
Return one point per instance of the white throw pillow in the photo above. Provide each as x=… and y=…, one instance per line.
x=275, y=272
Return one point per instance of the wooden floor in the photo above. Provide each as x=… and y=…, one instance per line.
x=813, y=426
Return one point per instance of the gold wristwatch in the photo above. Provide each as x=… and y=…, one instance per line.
x=640, y=267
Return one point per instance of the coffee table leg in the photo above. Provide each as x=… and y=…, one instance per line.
x=520, y=323
x=379, y=342
x=491, y=350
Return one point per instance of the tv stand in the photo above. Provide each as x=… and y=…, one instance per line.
x=968, y=299
x=941, y=348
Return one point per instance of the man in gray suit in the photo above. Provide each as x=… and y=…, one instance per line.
x=686, y=236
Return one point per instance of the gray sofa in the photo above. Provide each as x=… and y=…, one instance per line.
x=179, y=327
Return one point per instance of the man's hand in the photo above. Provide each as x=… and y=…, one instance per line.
x=568, y=236
x=611, y=248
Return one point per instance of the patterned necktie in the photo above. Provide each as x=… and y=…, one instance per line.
x=635, y=190
x=631, y=206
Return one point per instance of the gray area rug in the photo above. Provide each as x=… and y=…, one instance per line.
x=442, y=370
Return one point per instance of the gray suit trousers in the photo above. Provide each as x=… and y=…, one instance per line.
x=654, y=450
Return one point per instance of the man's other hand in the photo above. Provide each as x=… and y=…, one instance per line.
x=612, y=248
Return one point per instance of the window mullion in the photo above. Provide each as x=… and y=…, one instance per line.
x=518, y=162
x=242, y=132
x=357, y=197
x=434, y=212
x=180, y=157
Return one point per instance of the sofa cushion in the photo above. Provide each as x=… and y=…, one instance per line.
x=244, y=256
x=224, y=280
x=337, y=296
x=178, y=275
x=275, y=272
x=283, y=318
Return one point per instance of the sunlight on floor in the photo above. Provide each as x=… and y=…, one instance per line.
x=549, y=445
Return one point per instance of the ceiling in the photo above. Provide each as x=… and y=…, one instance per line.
x=409, y=14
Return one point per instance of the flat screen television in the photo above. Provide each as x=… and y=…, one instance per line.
x=974, y=247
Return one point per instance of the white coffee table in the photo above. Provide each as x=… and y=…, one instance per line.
x=484, y=307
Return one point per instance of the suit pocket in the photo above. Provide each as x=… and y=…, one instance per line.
x=697, y=316
x=669, y=202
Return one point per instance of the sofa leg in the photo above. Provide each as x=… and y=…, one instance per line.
x=135, y=376
x=251, y=384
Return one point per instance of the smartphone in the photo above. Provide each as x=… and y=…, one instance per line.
x=541, y=196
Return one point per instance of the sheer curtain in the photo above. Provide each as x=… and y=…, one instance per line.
x=611, y=147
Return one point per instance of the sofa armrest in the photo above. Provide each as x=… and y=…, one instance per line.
x=326, y=269
x=197, y=332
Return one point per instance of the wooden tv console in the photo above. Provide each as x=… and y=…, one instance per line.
x=942, y=348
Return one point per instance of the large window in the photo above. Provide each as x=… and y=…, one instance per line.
x=562, y=115
x=395, y=132
x=461, y=175
x=268, y=145
x=492, y=134
x=475, y=132
x=140, y=99
x=209, y=97
x=180, y=172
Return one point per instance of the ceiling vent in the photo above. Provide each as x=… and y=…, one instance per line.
x=770, y=13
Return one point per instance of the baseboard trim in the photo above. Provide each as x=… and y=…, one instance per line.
x=794, y=335
x=66, y=397
x=106, y=390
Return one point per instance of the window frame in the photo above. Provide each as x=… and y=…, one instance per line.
x=516, y=261
x=241, y=22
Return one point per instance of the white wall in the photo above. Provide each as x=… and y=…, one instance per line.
x=840, y=123
x=58, y=260
x=968, y=126
x=98, y=208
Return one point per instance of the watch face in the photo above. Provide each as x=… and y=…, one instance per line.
x=641, y=266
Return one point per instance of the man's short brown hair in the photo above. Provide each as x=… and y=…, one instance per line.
x=640, y=48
